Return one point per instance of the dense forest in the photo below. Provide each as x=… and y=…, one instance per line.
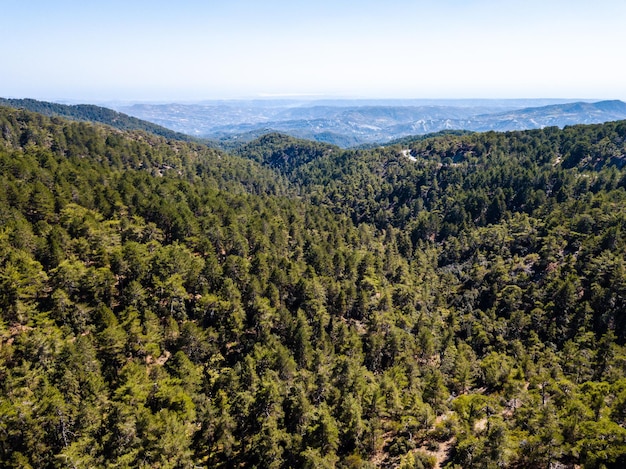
x=455, y=301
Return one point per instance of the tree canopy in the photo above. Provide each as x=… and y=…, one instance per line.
x=455, y=301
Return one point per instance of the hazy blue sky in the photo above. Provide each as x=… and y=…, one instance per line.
x=191, y=49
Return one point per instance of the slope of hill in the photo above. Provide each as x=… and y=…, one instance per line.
x=558, y=115
x=455, y=302
x=92, y=113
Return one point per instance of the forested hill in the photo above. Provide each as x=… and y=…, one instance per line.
x=283, y=153
x=93, y=113
x=456, y=301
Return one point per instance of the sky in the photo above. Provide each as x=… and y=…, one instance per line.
x=192, y=50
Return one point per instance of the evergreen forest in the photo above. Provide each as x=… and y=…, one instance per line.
x=454, y=301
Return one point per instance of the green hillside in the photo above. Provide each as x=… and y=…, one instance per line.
x=456, y=301
x=92, y=113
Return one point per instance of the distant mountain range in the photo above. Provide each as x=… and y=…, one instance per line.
x=346, y=123
x=350, y=123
